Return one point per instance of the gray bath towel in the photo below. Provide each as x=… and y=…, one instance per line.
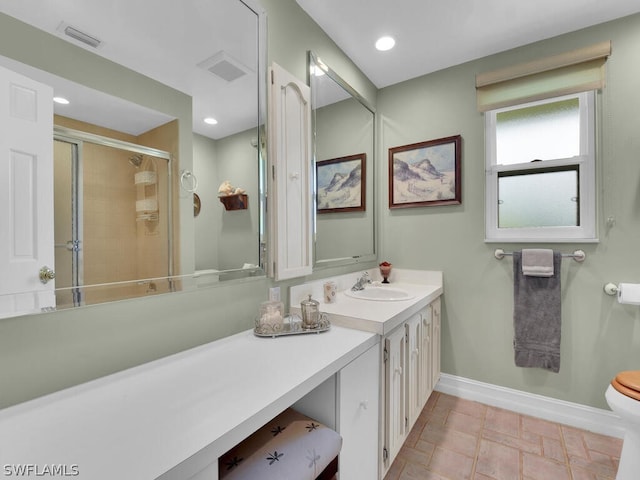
x=536, y=317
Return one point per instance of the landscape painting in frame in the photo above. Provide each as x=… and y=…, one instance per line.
x=425, y=173
x=341, y=184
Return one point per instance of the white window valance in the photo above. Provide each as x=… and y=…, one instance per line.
x=570, y=72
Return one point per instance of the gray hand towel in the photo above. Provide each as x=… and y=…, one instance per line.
x=536, y=317
x=537, y=262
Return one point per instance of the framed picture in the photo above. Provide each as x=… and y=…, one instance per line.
x=425, y=174
x=341, y=184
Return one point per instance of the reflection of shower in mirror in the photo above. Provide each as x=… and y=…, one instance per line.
x=136, y=160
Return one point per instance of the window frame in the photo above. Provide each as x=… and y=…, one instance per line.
x=585, y=161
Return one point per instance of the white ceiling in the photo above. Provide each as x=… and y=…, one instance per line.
x=164, y=40
x=167, y=42
x=432, y=35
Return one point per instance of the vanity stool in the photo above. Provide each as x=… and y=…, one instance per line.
x=291, y=446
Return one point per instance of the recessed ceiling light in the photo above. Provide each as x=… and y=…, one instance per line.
x=385, y=43
x=210, y=121
x=61, y=100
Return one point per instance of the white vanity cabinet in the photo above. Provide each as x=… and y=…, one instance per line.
x=357, y=415
x=408, y=356
x=414, y=356
x=434, y=308
x=411, y=358
x=394, y=392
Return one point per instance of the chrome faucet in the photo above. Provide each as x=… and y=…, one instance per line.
x=362, y=281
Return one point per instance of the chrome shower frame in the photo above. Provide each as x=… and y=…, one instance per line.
x=78, y=137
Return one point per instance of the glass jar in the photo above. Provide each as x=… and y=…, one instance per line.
x=271, y=317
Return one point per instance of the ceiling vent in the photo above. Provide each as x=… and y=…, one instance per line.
x=225, y=66
x=79, y=35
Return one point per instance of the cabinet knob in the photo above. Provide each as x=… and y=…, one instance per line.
x=364, y=404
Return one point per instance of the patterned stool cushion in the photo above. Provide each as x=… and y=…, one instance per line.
x=292, y=446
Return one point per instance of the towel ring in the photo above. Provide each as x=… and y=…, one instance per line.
x=188, y=181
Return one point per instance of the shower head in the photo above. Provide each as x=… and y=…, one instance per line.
x=136, y=160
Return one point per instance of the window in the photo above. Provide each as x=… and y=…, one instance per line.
x=540, y=172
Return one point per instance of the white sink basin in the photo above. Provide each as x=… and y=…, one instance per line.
x=380, y=294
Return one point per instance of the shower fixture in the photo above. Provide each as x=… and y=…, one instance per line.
x=136, y=160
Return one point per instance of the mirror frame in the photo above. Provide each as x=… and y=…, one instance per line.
x=313, y=59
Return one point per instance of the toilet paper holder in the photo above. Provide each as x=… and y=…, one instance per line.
x=627, y=293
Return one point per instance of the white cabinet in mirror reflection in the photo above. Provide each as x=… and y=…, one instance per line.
x=289, y=192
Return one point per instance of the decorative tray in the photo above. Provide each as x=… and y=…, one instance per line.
x=292, y=326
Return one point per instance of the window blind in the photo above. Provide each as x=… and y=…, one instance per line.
x=570, y=72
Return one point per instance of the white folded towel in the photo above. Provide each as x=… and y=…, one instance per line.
x=537, y=262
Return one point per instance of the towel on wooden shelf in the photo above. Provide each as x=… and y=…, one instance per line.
x=537, y=317
x=537, y=262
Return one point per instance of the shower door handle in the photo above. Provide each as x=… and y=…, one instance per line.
x=46, y=274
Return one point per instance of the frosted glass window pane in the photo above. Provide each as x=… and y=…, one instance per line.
x=540, y=132
x=548, y=199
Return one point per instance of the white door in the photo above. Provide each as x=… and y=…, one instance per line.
x=414, y=367
x=26, y=194
x=426, y=356
x=359, y=390
x=290, y=196
x=395, y=428
x=435, y=341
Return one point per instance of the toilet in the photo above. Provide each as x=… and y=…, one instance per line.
x=623, y=397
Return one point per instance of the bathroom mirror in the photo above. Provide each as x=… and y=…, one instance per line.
x=343, y=124
x=139, y=99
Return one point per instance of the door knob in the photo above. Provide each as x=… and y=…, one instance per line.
x=46, y=274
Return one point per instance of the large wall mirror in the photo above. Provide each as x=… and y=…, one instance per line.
x=166, y=102
x=344, y=124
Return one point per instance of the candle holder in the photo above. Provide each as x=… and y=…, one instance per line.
x=385, y=271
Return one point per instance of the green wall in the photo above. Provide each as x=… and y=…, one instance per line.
x=40, y=354
x=44, y=353
x=226, y=239
x=599, y=336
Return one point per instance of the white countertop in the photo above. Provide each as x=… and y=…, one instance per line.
x=379, y=317
x=141, y=422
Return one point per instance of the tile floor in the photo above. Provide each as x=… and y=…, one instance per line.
x=456, y=439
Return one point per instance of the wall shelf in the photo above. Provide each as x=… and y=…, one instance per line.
x=238, y=201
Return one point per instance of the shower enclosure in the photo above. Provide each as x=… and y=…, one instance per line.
x=112, y=218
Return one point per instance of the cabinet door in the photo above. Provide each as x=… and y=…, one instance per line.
x=426, y=356
x=413, y=328
x=358, y=420
x=289, y=193
x=435, y=342
x=395, y=427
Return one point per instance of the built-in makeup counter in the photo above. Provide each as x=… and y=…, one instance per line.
x=183, y=411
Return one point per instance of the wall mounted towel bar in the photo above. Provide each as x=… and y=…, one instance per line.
x=578, y=255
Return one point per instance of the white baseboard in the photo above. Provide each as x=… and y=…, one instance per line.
x=593, y=419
